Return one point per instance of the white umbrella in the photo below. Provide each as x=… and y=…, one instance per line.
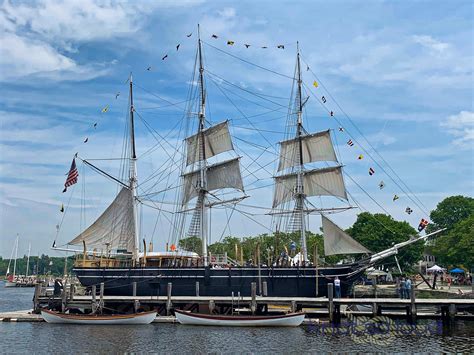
x=435, y=268
x=377, y=273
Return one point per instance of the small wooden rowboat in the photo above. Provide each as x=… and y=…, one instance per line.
x=286, y=320
x=136, y=318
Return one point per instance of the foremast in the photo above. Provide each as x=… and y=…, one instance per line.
x=200, y=179
x=201, y=205
x=133, y=182
x=299, y=196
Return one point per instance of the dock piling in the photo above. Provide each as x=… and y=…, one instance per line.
x=101, y=296
x=331, y=302
x=134, y=288
x=168, y=300
x=412, y=304
x=63, y=300
x=197, y=288
x=265, y=288
x=36, y=296
x=253, y=292
x=72, y=289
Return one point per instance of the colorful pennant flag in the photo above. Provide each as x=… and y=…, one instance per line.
x=423, y=224
x=247, y=45
x=117, y=95
x=281, y=46
x=86, y=140
x=166, y=56
x=381, y=185
x=215, y=36
x=315, y=84
x=371, y=171
x=408, y=210
x=230, y=43
x=341, y=129
x=177, y=47
x=331, y=114
x=62, y=208
x=360, y=157
x=395, y=197
x=71, y=175
x=105, y=109
x=324, y=99
x=350, y=143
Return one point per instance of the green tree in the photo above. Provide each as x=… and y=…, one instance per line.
x=378, y=232
x=450, y=211
x=191, y=244
x=455, y=247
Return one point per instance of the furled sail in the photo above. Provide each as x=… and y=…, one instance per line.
x=115, y=225
x=217, y=140
x=315, y=147
x=336, y=241
x=317, y=182
x=218, y=176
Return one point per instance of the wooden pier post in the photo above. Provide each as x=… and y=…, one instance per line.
x=72, y=289
x=293, y=307
x=168, y=300
x=36, y=298
x=197, y=288
x=93, y=293
x=63, y=300
x=331, y=301
x=265, y=288
x=212, y=306
x=134, y=288
x=412, y=304
x=253, y=293
x=452, y=312
x=101, y=299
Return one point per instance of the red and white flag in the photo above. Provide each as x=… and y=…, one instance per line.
x=71, y=175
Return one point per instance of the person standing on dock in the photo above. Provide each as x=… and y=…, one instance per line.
x=402, y=288
x=337, y=287
x=407, y=288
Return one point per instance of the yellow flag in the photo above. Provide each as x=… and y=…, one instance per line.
x=395, y=197
x=230, y=43
x=360, y=157
x=315, y=84
x=105, y=109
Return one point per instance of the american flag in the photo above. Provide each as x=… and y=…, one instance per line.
x=71, y=175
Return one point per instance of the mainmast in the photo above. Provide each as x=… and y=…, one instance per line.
x=300, y=190
x=201, y=205
x=133, y=174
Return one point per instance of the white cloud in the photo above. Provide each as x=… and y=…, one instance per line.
x=430, y=43
x=462, y=127
x=41, y=37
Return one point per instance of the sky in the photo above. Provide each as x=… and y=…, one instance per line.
x=401, y=72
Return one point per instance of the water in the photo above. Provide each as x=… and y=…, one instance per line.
x=429, y=336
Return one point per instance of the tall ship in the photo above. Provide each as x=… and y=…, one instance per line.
x=114, y=253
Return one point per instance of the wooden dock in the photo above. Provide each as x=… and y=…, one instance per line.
x=318, y=307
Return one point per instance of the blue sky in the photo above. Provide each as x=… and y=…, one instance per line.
x=401, y=70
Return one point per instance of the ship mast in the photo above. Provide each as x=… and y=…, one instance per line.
x=133, y=174
x=202, y=156
x=300, y=197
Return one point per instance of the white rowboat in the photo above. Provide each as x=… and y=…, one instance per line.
x=136, y=318
x=287, y=320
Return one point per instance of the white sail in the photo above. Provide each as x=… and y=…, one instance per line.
x=317, y=182
x=218, y=176
x=315, y=147
x=114, y=226
x=217, y=140
x=336, y=241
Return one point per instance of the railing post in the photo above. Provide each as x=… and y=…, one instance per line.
x=331, y=301
x=72, y=289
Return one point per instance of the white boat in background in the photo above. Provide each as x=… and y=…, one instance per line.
x=99, y=319
x=286, y=320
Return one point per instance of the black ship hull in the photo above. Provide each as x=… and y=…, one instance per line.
x=281, y=282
